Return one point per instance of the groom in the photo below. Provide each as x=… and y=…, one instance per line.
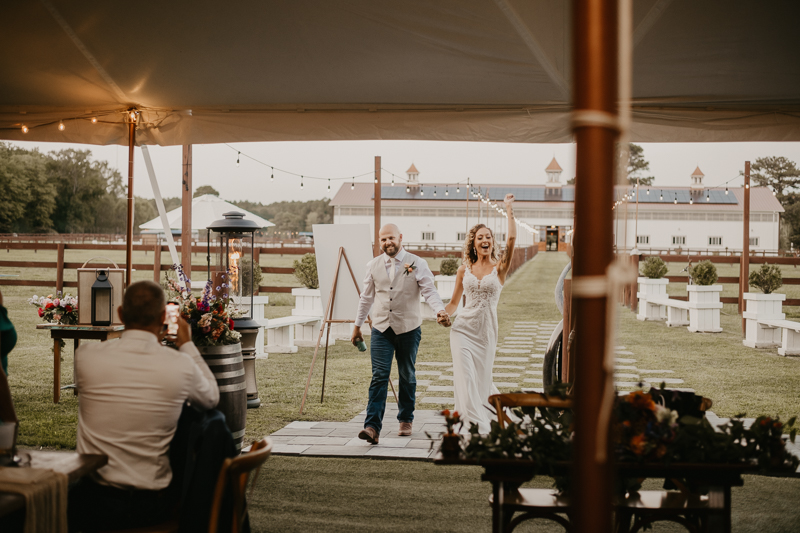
x=393, y=284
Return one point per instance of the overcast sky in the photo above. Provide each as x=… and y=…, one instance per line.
x=437, y=162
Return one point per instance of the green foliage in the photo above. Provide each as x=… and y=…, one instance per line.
x=654, y=268
x=767, y=279
x=28, y=196
x=205, y=189
x=291, y=217
x=257, y=275
x=637, y=166
x=778, y=173
x=305, y=270
x=704, y=273
x=449, y=266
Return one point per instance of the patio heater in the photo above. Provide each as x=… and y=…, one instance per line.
x=234, y=241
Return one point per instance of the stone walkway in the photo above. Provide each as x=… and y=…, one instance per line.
x=518, y=366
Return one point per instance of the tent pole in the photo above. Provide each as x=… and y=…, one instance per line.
x=595, y=126
x=129, y=227
x=186, y=212
x=376, y=248
x=744, y=264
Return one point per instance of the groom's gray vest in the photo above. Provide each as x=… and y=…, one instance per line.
x=397, y=302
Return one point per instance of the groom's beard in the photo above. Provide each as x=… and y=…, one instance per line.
x=390, y=249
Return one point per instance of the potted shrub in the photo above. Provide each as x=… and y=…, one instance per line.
x=652, y=284
x=763, y=306
x=446, y=280
x=704, y=304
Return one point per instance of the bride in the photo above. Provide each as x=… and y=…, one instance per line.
x=473, y=339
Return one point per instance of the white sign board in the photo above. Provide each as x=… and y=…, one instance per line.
x=357, y=243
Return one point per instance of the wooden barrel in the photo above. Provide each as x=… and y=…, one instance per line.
x=227, y=365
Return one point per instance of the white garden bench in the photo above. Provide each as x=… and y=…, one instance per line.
x=677, y=310
x=281, y=332
x=790, y=337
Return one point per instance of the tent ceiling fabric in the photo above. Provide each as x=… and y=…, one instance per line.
x=465, y=70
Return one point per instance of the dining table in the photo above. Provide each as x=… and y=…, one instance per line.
x=76, y=332
x=508, y=475
x=74, y=465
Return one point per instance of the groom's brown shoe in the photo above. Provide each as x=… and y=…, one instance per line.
x=369, y=434
x=405, y=429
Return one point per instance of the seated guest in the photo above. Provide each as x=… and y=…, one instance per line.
x=132, y=391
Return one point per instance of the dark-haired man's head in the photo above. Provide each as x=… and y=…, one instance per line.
x=143, y=307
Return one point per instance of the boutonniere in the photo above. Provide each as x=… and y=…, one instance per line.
x=410, y=268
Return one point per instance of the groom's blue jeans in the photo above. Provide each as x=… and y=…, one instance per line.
x=404, y=348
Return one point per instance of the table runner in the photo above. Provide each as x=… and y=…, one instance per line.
x=45, y=493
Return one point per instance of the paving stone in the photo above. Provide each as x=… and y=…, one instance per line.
x=512, y=359
x=534, y=389
x=625, y=361
x=668, y=381
x=301, y=424
x=537, y=356
x=629, y=376
x=619, y=347
x=532, y=380
x=281, y=439
x=535, y=372
x=623, y=352
x=512, y=350
x=337, y=425
x=518, y=343
x=510, y=367
x=352, y=451
x=504, y=375
x=423, y=382
x=625, y=367
x=526, y=323
x=656, y=371
x=428, y=373
x=448, y=378
x=438, y=400
x=330, y=441
x=537, y=365
x=303, y=432
x=631, y=384
x=422, y=444
x=347, y=432
x=441, y=388
x=400, y=453
x=499, y=384
x=288, y=449
x=433, y=363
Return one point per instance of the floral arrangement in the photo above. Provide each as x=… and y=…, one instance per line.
x=62, y=309
x=410, y=268
x=208, y=315
x=644, y=429
x=450, y=421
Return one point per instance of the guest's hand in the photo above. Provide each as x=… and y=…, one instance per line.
x=356, y=337
x=443, y=318
x=184, y=333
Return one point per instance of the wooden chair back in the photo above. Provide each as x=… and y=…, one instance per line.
x=526, y=399
x=234, y=476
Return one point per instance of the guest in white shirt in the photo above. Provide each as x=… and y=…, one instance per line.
x=392, y=287
x=132, y=391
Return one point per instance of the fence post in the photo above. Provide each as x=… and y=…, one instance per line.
x=60, y=268
x=256, y=259
x=157, y=262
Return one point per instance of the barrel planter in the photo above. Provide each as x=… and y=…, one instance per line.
x=227, y=366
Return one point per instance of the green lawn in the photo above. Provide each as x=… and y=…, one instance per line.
x=325, y=494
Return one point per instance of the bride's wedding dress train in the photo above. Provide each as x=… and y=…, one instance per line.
x=473, y=342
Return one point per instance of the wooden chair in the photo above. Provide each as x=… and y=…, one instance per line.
x=532, y=503
x=234, y=476
x=235, y=473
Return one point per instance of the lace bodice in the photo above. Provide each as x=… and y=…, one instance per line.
x=480, y=310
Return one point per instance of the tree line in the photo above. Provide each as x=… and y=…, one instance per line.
x=66, y=191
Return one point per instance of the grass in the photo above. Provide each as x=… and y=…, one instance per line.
x=326, y=494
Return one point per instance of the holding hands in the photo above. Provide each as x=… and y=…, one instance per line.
x=443, y=319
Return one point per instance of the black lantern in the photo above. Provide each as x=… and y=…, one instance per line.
x=234, y=243
x=102, y=300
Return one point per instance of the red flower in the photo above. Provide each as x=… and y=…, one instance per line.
x=230, y=324
x=446, y=412
x=49, y=306
x=68, y=308
x=41, y=313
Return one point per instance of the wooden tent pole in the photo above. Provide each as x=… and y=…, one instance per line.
x=186, y=211
x=129, y=224
x=744, y=264
x=376, y=247
x=595, y=126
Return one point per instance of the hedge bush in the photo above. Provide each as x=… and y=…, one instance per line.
x=244, y=265
x=654, y=268
x=305, y=270
x=704, y=273
x=767, y=279
x=449, y=267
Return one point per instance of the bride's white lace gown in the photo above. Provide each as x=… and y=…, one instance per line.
x=473, y=341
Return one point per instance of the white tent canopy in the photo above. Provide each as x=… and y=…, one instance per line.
x=205, y=210
x=464, y=70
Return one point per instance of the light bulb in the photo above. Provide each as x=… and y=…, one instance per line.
x=434, y=190
x=773, y=193
x=272, y=174
x=94, y=120
x=726, y=191
x=421, y=192
x=691, y=201
x=747, y=186
x=353, y=184
x=458, y=189
x=408, y=189
x=392, y=181
x=301, y=183
x=24, y=128
x=329, y=184
x=133, y=116
x=676, y=199
x=446, y=192
x=237, y=158
x=708, y=198
x=648, y=192
x=376, y=179
x=61, y=126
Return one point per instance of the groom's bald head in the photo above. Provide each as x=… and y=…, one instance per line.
x=390, y=239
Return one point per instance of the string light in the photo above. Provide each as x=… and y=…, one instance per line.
x=24, y=128
x=408, y=189
x=708, y=196
x=458, y=189
x=94, y=120
x=329, y=184
x=648, y=192
x=133, y=115
x=353, y=183
x=376, y=178
x=446, y=191
x=747, y=186
x=61, y=126
x=272, y=174
x=691, y=201
x=301, y=183
x=661, y=197
x=434, y=190
x=392, y=180
x=676, y=198
x=726, y=191
x=237, y=158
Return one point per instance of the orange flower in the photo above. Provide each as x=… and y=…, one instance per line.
x=641, y=400
x=446, y=412
x=455, y=414
x=638, y=444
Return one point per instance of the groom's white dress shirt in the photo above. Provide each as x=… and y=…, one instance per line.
x=397, y=303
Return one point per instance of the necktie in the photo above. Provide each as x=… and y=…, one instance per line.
x=392, y=268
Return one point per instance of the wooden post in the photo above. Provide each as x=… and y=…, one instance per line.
x=566, y=356
x=157, y=261
x=595, y=127
x=60, y=268
x=256, y=259
x=186, y=212
x=129, y=225
x=376, y=247
x=744, y=264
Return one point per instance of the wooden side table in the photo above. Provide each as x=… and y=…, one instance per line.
x=77, y=333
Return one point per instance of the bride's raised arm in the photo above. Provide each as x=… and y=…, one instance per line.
x=511, y=240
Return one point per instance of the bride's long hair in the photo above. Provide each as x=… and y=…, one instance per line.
x=471, y=254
